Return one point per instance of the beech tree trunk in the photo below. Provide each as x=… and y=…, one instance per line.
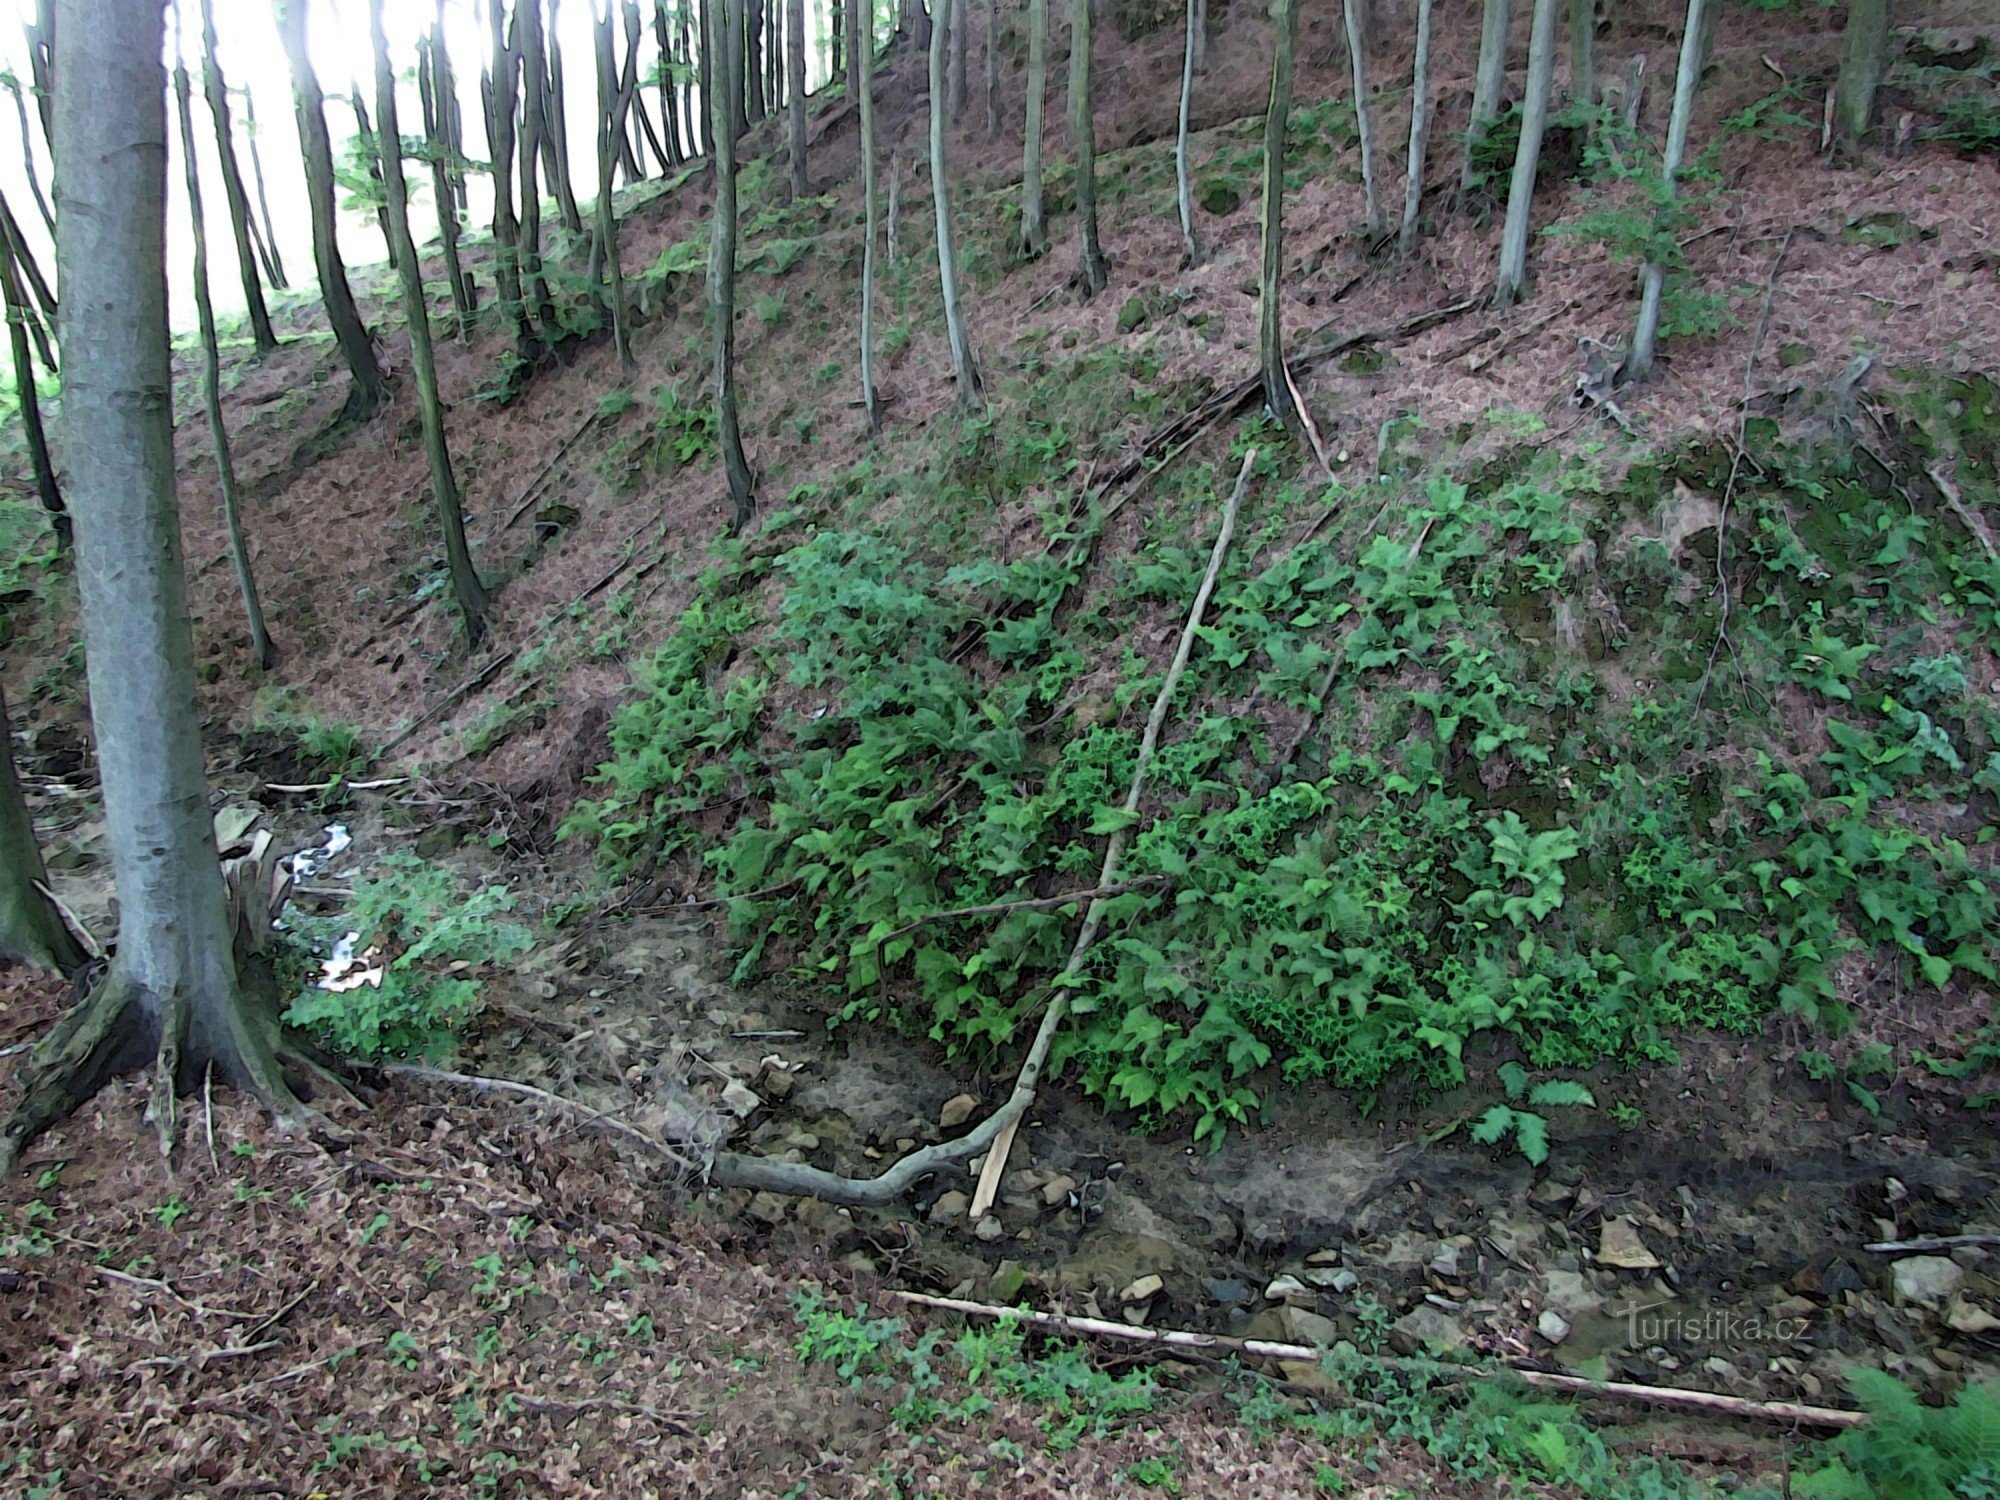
x=434, y=92
x=632, y=98
x=39, y=303
x=1864, y=57
x=1583, y=52
x=861, y=76
x=1270, y=324
x=1488, y=85
x=216, y=91
x=556, y=123
x=992, y=55
x=751, y=81
x=727, y=23
x=465, y=584
x=705, y=74
x=1183, y=187
x=955, y=68
x=795, y=93
x=274, y=263
x=534, y=141
x=965, y=369
x=27, y=399
x=664, y=83
x=1420, y=126
x=29, y=168
x=371, y=151
x=1034, y=229
x=503, y=78
x=1083, y=134
x=1354, y=13
x=1653, y=280
x=32, y=930
x=610, y=129
x=172, y=991
x=1512, y=282
x=368, y=390
x=211, y=388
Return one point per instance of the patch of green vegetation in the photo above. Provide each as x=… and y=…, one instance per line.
x=1910, y=1450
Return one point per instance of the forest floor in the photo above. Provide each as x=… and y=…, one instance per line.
x=473, y=1294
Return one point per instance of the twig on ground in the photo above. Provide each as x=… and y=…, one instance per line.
x=189, y=1303
x=476, y=681
x=535, y=484
x=596, y=1117
x=1967, y=517
x=200, y=1356
x=1932, y=1242
x=306, y=788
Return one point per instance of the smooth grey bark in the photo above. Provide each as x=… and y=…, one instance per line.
x=1864, y=57
x=533, y=144
x=795, y=94
x=356, y=347
x=556, y=145
x=371, y=154
x=663, y=83
x=39, y=302
x=965, y=369
x=1354, y=13
x=465, y=583
x=1083, y=137
x=30, y=169
x=1034, y=228
x=216, y=91
x=27, y=400
x=610, y=128
x=434, y=91
x=1420, y=125
x=274, y=263
x=172, y=991
x=502, y=88
x=750, y=109
x=992, y=56
x=211, y=388
x=1488, y=84
x=1270, y=324
x=32, y=930
x=1511, y=284
x=1583, y=52
x=632, y=98
x=726, y=21
x=955, y=65
x=1183, y=187
x=1653, y=280
x=1201, y=36
x=861, y=76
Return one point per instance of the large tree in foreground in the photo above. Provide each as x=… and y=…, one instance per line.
x=172, y=991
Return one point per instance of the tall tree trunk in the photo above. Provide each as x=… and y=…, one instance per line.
x=628, y=159
x=1034, y=229
x=1488, y=85
x=705, y=76
x=371, y=150
x=610, y=129
x=173, y=990
x=1864, y=57
x=1183, y=184
x=663, y=83
x=861, y=78
x=503, y=79
x=836, y=33
x=1355, y=15
x=632, y=98
x=367, y=392
x=992, y=54
x=40, y=303
x=216, y=91
x=29, y=168
x=1511, y=284
x=774, y=56
x=1083, y=135
x=274, y=263
x=556, y=123
x=41, y=38
x=1583, y=53
x=1420, y=126
x=752, y=111
x=1653, y=280
x=18, y=320
x=32, y=930
x=465, y=584
x=434, y=83
x=1201, y=37
x=795, y=96
x=727, y=25
x=965, y=369
x=534, y=140
x=955, y=84
x=1270, y=323
x=211, y=387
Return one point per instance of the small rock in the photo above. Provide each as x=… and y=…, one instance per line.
x=1715, y=1364
x=1287, y=1289
x=1309, y=1377
x=1228, y=1293
x=957, y=1110
x=1135, y=1314
x=1445, y=1262
x=858, y=1262
x=767, y=1207
x=777, y=1083
x=1332, y=1280
x=1969, y=1317
x=1426, y=1329
x=1569, y=1292
x=1056, y=1191
x=1025, y=1180
x=802, y=1140
x=1303, y=1327
x=949, y=1208
x=1552, y=1326
x=1619, y=1245
x=989, y=1229
x=1144, y=1289
x=740, y=1100
x=1006, y=1282
x=1925, y=1278
x=1326, y=1257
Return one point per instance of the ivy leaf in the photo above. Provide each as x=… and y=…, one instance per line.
x=1493, y=1125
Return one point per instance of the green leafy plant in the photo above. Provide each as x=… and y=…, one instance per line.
x=1521, y=1119
x=1910, y=1450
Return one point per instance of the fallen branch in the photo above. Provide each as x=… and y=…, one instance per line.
x=1955, y=503
x=1932, y=1243
x=1789, y=1413
x=527, y=1090
x=994, y=1136
x=307, y=788
x=534, y=485
x=473, y=683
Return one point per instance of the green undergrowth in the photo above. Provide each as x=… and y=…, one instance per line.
x=1555, y=803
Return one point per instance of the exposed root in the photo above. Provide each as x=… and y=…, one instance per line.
x=108, y=1028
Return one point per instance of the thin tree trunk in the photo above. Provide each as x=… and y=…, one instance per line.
x=727, y=22
x=611, y=127
x=861, y=76
x=628, y=157
x=211, y=388
x=172, y=991
x=965, y=369
x=632, y=98
x=1864, y=57
x=1183, y=185
x=503, y=80
x=1034, y=229
x=40, y=303
x=349, y=331
x=41, y=38
x=557, y=125
x=752, y=72
x=1420, y=125
x=705, y=71
x=836, y=33
x=774, y=55
x=1201, y=37
x=434, y=87
x=1354, y=13
x=955, y=66
x=534, y=140
x=29, y=167
x=992, y=69
x=25, y=396
x=274, y=263
x=1511, y=284
x=1653, y=280
x=893, y=210
x=32, y=930
x=216, y=91
x=1488, y=85
x=1583, y=53
x=670, y=127
x=795, y=97
x=372, y=155
x=1083, y=135
x=1270, y=324
x=465, y=584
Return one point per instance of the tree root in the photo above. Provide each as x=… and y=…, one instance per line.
x=106, y=1030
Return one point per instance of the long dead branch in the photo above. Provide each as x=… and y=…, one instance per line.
x=590, y=1116
x=1787, y=1413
